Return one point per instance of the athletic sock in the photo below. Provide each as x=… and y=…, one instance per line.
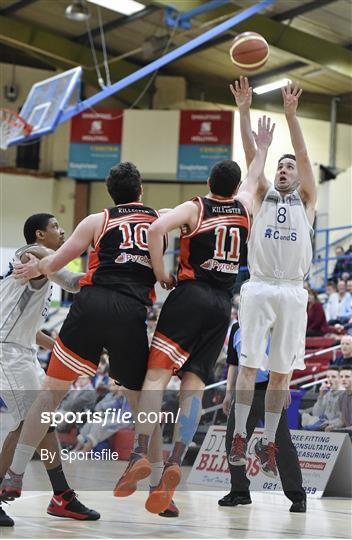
x=141, y=442
x=157, y=471
x=241, y=417
x=58, y=480
x=271, y=421
x=178, y=453
x=23, y=455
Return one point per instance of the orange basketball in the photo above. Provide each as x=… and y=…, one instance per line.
x=249, y=51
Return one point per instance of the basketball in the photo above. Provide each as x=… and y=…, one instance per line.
x=249, y=51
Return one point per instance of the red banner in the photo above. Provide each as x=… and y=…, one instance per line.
x=206, y=127
x=98, y=126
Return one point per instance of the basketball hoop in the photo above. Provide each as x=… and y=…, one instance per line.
x=12, y=125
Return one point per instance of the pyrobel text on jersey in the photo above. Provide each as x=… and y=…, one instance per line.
x=139, y=259
x=227, y=268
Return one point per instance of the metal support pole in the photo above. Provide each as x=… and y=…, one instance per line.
x=326, y=264
x=333, y=121
x=182, y=20
x=164, y=60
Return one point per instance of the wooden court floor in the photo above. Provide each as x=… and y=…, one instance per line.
x=201, y=517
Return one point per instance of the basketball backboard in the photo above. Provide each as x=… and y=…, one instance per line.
x=46, y=101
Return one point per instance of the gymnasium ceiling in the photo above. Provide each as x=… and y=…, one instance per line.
x=310, y=42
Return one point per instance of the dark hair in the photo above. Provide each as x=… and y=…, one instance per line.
x=124, y=183
x=314, y=293
x=346, y=367
x=334, y=368
x=331, y=284
x=224, y=178
x=287, y=156
x=33, y=224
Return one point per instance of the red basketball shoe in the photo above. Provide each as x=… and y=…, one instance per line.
x=67, y=505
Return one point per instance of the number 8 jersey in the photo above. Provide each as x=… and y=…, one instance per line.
x=120, y=258
x=280, y=246
x=211, y=252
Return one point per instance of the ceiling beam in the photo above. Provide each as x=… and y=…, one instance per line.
x=300, y=10
x=284, y=68
x=63, y=54
x=117, y=23
x=330, y=55
x=316, y=106
x=10, y=10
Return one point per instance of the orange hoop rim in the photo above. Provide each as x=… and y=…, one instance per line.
x=13, y=119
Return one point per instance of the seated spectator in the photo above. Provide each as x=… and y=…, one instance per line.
x=100, y=381
x=331, y=303
x=79, y=398
x=93, y=433
x=345, y=420
x=316, y=321
x=346, y=352
x=349, y=286
x=326, y=411
x=343, y=264
x=344, y=308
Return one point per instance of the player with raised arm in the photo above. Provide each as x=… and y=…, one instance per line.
x=109, y=312
x=23, y=309
x=195, y=317
x=273, y=302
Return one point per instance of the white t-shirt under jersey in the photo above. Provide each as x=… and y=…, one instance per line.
x=23, y=308
x=280, y=245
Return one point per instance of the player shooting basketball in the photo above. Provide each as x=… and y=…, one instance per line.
x=273, y=301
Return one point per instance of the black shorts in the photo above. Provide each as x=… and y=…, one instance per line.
x=103, y=318
x=191, y=330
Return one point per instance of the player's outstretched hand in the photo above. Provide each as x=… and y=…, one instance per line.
x=28, y=270
x=288, y=399
x=167, y=281
x=264, y=136
x=290, y=96
x=242, y=93
x=226, y=404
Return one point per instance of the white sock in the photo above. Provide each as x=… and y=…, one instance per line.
x=23, y=455
x=155, y=475
x=271, y=422
x=241, y=416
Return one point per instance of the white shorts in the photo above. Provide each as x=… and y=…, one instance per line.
x=21, y=378
x=278, y=311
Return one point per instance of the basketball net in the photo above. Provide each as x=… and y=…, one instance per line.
x=12, y=125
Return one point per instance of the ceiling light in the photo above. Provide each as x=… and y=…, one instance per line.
x=271, y=86
x=77, y=11
x=126, y=7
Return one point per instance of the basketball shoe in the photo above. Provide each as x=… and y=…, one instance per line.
x=238, y=451
x=171, y=510
x=5, y=520
x=137, y=469
x=11, y=487
x=160, y=498
x=266, y=455
x=67, y=505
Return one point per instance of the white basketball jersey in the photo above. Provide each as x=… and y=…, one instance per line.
x=23, y=308
x=280, y=244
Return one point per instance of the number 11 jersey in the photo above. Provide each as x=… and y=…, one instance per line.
x=211, y=252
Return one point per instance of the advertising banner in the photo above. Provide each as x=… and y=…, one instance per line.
x=95, y=143
x=318, y=454
x=205, y=138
